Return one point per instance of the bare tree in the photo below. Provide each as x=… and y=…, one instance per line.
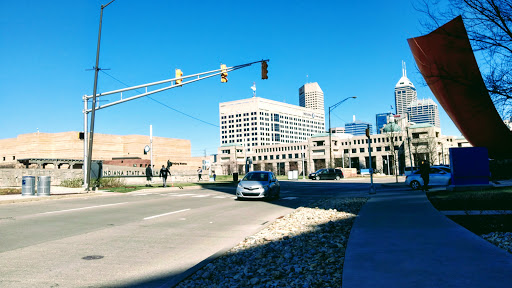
x=489, y=27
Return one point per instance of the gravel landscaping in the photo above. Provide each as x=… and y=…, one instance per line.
x=500, y=239
x=305, y=248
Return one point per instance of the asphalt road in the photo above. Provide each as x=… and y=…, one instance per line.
x=145, y=239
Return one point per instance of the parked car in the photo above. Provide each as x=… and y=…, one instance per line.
x=258, y=185
x=326, y=173
x=437, y=177
x=409, y=170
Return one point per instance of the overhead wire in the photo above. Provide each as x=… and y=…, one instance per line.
x=163, y=104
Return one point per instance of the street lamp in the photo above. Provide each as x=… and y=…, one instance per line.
x=330, y=141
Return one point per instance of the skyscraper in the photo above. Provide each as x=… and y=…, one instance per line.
x=405, y=92
x=381, y=119
x=357, y=127
x=424, y=111
x=311, y=96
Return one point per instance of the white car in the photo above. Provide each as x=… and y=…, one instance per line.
x=257, y=185
x=437, y=177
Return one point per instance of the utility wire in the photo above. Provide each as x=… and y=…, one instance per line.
x=163, y=104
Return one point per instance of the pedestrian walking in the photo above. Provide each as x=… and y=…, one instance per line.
x=164, y=172
x=149, y=175
x=199, y=172
x=425, y=174
x=214, y=175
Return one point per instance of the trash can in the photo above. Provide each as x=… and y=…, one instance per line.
x=28, y=185
x=290, y=175
x=235, y=177
x=295, y=175
x=43, y=185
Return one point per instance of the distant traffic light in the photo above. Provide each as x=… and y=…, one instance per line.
x=264, y=70
x=368, y=131
x=178, y=75
x=224, y=74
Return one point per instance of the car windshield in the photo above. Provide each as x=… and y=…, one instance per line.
x=320, y=170
x=256, y=177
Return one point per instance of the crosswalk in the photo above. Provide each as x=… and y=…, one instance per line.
x=185, y=195
x=195, y=195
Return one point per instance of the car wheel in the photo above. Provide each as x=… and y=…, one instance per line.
x=239, y=198
x=415, y=185
x=317, y=178
x=338, y=177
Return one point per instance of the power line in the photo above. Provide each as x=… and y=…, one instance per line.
x=163, y=104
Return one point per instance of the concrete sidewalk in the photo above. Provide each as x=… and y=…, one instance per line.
x=400, y=240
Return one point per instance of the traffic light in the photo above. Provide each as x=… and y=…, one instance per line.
x=264, y=70
x=368, y=132
x=178, y=75
x=224, y=74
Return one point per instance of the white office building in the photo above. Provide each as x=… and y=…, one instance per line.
x=311, y=96
x=405, y=93
x=424, y=111
x=258, y=122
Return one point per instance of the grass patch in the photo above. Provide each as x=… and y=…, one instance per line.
x=490, y=199
x=10, y=191
x=483, y=224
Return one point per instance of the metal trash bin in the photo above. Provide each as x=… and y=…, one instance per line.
x=295, y=175
x=43, y=185
x=290, y=175
x=28, y=185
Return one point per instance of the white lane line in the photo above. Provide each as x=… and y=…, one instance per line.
x=181, y=195
x=289, y=198
x=83, y=208
x=220, y=197
x=140, y=194
x=165, y=214
x=201, y=196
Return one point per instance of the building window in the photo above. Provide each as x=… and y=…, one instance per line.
x=296, y=155
x=13, y=157
x=379, y=149
x=345, y=150
x=265, y=157
x=354, y=150
x=271, y=157
x=361, y=150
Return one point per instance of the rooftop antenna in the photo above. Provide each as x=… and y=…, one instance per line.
x=404, y=69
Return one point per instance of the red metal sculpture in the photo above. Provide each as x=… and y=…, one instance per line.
x=446, y=61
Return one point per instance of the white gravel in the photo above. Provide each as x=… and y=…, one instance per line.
x=303, y=249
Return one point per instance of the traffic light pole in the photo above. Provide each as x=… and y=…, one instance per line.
x=372, y=188
x=95, y=107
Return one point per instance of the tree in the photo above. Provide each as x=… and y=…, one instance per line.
x=489, y=27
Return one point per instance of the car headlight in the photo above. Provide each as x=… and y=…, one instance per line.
x=240, y=185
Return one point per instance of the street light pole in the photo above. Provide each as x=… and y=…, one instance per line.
x=330, y=140
x=93, y=108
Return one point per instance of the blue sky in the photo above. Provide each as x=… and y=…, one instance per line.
x=351, y=48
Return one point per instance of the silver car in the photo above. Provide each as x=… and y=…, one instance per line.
x=257, y=185
x=438, y=176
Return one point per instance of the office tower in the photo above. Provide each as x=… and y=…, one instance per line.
x=357, y=127
x=257, y=121
x=405, y=92
x=424, y=111
x=381, y=119
x=311, y=96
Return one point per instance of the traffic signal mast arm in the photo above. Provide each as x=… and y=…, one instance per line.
x=181, y=82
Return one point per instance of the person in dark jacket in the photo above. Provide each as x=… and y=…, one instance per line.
x=425, y=174
x=164, y=172
x=149, y=175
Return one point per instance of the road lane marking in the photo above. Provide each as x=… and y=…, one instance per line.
x=181, y=195
x=201, y=196
x=165, y=214
x=289, y=198
x=83, y=208
x=219, y=197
